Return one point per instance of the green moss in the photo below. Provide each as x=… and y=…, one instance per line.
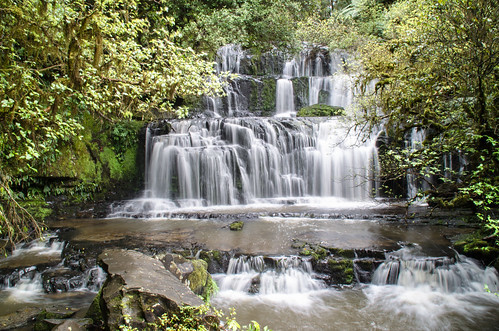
x=38, y=208
x=346, y=253
x=268, y=95
x=341, y=270
x=216, y=255
x=210, y=289
x=198, y=279
x=316, y=252
x=320, y=110
x=109, y=159
x=95, y=311
x=129, y=164
x=236, y=226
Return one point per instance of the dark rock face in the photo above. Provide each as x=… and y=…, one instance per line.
x=139, y=287
x=218, y=261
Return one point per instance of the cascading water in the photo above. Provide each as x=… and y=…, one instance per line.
x=257, y=161
x=327, y=82
x=443, y=274
x=325, y=73
x=429, y=292
x=35, y=274
x=283, y=279
x=408, y=291
x=240, y=161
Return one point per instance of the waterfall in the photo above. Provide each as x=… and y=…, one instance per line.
x=285, y=105
x=232, y=161
x=442, y=274
x=328, y=82
x=269, y=276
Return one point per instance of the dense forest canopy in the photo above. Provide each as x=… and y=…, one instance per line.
x=435, y=64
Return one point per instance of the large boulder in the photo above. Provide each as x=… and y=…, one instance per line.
x=191, y=272
x=140, y=289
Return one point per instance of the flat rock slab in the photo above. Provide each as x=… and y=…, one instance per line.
x=139, y=287
x=146, y=274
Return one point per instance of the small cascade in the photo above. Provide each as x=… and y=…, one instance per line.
x=415, y=143
x=327, y=82
x=442, y=274
x=228, y=59
x=36, y=269
x=433, y=293
x=285, y=105
x=269, y=276
x=314, y=76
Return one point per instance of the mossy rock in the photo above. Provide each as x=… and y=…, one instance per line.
x=341, y=271
x=236, y=226
x=346, y=253
x=320, y=110
x=198, y=278
x=94, y=312
x=316, y=252
x=478, y=249
x=41, y=324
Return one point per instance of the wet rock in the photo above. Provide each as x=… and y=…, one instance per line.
x=255, y=285
x=140, y=287
x=73, y=324
x=191, y=272
x=364, y=269
x=218, y=261
x=370, y=253
x=479, y=249
x=341, y=252
x=338, y=271
x=10, y=277
x=61, y=280
x=79, y=324
x=236, y=226
x=19, y=318
x=316, y=252
x=51, y=317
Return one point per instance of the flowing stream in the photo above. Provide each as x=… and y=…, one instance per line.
x=408, y=292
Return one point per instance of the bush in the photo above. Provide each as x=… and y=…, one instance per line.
x=320, y=111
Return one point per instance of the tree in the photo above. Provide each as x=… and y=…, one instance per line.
x=63, y=60
x=437, y=72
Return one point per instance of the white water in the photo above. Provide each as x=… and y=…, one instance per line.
x=328, y=83
x=284, y=280
x=421, y=294
x=243, y=161
x=285, y=105
x=29, y=287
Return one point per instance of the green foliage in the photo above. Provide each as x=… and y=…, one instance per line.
x=348, y=27
x=320, y=110
x=437, y=72
x=16, y=223
x=259, y=25
x=62, y=62
x=110, y=160
x=189, y=318
x=124, y=135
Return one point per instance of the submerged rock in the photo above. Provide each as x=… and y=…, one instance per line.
x=139, y=287
x=236, y=226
